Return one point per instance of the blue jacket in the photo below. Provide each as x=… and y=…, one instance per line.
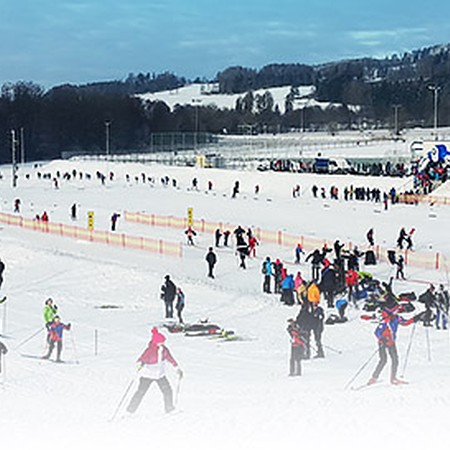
x=288, y=282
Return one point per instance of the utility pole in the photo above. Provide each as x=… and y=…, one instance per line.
x=13, y=158
x=107, y=125
x=435, y=90
x=396, y=107
x=22, y=146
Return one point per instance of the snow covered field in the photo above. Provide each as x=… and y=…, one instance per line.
x=234, y=394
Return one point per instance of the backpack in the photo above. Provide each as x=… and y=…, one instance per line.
x=264, y=268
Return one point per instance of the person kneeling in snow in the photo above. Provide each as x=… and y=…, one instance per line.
x=152, y=362
x=386, y=333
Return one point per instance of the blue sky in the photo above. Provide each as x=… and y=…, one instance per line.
x=53, y=42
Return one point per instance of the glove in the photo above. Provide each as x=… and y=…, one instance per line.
x=69, y=326
x=179, y=372
x=55, y=308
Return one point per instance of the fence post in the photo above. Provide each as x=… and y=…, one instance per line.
x=153, y=220
x=406, y=256
x=203, y=225
x=180, y=250
x=161, y=247
x=280, y=237
x=437, y=261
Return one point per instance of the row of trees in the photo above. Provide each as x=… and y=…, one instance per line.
x=73, y=118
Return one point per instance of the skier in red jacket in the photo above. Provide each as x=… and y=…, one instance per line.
x=153, y=363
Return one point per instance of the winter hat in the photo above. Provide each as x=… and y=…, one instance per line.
x=157, y=337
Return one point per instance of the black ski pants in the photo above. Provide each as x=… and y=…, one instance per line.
x=144, y=384
x=169, y=309
x=295, y=363
x=51, y=346
x=266, y=284
x=383, y=349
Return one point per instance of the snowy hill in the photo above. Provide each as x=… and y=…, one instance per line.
x=202, y=95
x=234, y=394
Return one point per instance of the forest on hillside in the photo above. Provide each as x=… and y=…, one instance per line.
x=76, y=118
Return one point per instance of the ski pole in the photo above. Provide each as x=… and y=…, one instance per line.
x=122, y=400
x=177, y=392
x=29, y=338
x=360, y=370
x=332, y=349
x=427, y=333
x=74, y=347
x=408, y=349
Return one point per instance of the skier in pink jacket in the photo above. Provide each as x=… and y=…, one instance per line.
x=152, y=363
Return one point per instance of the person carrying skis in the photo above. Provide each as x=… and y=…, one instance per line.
x=152, y=364
x=211, y=259
x=55, y=338
x=168, y=292
x=268, y=273
x=298, y=345
x=386, y=334
x=179, y=306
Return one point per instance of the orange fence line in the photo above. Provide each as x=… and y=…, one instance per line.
x=416, y=198
x=425, y=260
x=104, y=237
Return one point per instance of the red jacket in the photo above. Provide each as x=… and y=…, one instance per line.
x=351, y=278
x=150, y=355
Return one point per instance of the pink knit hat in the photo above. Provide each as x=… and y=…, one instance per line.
x=157, y=337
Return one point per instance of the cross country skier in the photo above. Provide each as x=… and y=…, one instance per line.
x=152, y=363
x=386, y=333
x=55, y=338
x=50, y=311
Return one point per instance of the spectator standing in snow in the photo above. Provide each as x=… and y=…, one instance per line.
x=114, y=218
x=55, y=338
x=2, y=269
x=73, y=212
x=190, y=233
x=328, y=284
x=442, y=307
x=428, y=298
x=408, y=239
x=235, y=189
x=400, y=268
x=44, y=216
x=152, y=365
x=287, y=290
x=318, y=316
x=298, y=251
x=17, y=205
x=316, y=261
x=252, y=243
x=168, y=292
x=226, y=236
x=211, y=259
x=297, y=348
x=3, y=351
x=401, y=237
x=217, y=235
x=352, y=280
x=179, y=306
x=277, y=268
x=268, y=273
x=370, y=237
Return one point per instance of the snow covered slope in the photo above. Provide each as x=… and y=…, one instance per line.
x=234, y=394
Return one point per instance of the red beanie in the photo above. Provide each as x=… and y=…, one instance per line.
x=157, y=337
